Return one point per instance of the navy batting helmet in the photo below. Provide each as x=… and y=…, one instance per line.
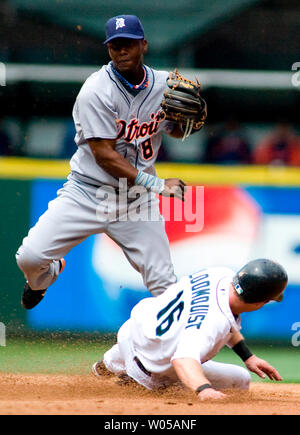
x=260, y=280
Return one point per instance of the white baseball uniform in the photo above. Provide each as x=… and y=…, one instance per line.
x=192, y=319
x=106, y=109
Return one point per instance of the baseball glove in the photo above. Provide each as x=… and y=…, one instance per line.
x=183, y=104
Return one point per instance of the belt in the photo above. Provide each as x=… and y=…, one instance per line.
x=140, y=365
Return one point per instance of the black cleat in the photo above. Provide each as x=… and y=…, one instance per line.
x=30, y=298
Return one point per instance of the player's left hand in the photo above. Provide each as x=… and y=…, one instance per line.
x=262, y=368
x=183, y=104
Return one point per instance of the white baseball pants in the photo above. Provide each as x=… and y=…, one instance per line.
x=120, y=360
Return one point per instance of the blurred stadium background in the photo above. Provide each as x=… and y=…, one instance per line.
x=245, y=54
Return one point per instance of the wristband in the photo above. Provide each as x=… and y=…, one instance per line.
x=150, y=182
x=242, y=350
x=202, y=387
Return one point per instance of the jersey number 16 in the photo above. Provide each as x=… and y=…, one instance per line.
x=167, y=316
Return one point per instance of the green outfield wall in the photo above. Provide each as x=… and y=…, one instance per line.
x=14, y=223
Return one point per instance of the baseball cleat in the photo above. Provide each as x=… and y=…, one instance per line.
x=31, y=298
x=100, y=370
x=62, y=265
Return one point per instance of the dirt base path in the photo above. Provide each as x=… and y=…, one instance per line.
x=80, y=395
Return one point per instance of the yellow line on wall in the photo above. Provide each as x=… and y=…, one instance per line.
x=231, y=175
x=25, y=168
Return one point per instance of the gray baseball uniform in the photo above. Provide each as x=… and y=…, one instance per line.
x=106, y=109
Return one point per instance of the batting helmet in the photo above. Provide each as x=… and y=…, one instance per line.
x=260, y=280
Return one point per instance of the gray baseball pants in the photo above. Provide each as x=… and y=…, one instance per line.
x=82, y=209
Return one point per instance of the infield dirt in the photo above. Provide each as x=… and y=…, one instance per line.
x=87, y=395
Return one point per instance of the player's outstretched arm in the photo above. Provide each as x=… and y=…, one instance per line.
x=190, y=373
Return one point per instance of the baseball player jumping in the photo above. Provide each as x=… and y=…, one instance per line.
x=119, y=130
x=173, y=338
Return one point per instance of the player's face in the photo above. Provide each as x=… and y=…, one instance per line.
x=127, y=54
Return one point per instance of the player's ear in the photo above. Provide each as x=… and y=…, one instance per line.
x=145, y=46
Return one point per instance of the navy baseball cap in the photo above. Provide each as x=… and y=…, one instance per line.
x=124, y=26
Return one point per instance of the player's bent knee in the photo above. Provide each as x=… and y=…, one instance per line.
x=243, y=379
x=27, y=261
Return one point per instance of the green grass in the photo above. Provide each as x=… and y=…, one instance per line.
x=73, y=355
x=44, y=355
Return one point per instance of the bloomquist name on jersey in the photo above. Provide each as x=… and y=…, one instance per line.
x=200, y=287
x=134, y=130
